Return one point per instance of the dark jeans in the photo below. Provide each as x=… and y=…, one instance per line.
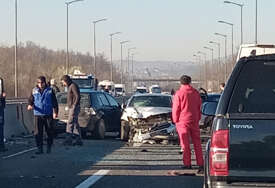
x=1, y=127
x=41, y=122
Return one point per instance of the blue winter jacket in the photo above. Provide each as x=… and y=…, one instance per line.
x=42, y=102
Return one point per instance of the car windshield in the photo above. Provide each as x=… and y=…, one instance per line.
x=150, y=101
x=83, y=83
x=118, y=89
x=254, y=91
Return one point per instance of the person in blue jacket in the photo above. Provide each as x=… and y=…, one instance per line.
x=2, y=106
x=44, y=104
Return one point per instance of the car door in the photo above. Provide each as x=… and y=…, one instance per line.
x=84, y=117
x=107, y=110
x=116, y=113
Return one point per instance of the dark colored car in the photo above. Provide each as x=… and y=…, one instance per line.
x=99, y=113
x=241, y=150
x=206, y=120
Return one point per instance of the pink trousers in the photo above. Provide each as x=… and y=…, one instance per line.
x=185, y=133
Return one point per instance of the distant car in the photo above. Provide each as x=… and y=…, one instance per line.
x=206, y=120
x=147, y=116
x=155, y=89
x=141, y=89
x=99, y=113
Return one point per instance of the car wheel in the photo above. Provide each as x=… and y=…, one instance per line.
x=124, y=131
x=100, y=129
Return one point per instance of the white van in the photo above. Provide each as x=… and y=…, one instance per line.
x=119, y=90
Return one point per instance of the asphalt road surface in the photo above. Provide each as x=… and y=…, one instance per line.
x=97, y=164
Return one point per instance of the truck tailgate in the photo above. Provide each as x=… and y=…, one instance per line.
x=252, y=148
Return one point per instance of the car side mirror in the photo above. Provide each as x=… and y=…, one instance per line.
x=209, y=108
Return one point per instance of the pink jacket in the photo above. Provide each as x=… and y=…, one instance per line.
x=186, y=106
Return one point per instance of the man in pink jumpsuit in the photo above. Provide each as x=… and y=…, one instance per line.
x=186, y=115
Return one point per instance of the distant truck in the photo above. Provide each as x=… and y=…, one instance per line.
x=119, y=90
x=247, y=50
x=107, y=86
x=155, y=89
x=86, y=83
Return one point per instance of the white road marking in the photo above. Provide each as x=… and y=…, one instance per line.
x=93, y=179
x=19, y=153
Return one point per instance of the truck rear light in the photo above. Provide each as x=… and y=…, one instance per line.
x=219, y=153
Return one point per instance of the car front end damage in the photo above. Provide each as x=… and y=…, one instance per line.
x=151, y=125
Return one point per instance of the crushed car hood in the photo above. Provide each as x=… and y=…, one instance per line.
x=165, y=129
x=144, y=112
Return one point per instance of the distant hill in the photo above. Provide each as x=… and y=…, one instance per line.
x=161, y=69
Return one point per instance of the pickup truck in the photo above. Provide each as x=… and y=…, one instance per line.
x=241, y=150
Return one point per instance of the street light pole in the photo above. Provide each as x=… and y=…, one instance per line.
x=94, y=22
x=128, y=61
x=241, y=6
x=256, y=23
x=121, y=66
x=15, y=55
x=132, y=85
x=225, y=54
x=67, y=52
x=231, y=24
x=212, y=54
x=111, y=48
x=199, y=62
x=205, y=69
x=219, y=64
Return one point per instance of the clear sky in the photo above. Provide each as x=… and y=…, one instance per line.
x=170, y=30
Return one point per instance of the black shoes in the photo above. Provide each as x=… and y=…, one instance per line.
x=186, y=167
x=200, y=170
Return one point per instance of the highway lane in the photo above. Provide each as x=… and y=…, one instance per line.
x=99, y=163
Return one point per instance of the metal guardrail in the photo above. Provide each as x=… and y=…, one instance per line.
x=120, y=100
x=17, y=101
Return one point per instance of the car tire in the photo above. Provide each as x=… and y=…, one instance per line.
x=100, y=129
x=124, y=131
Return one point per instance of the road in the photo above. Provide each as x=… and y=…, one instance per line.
x=97, y=164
